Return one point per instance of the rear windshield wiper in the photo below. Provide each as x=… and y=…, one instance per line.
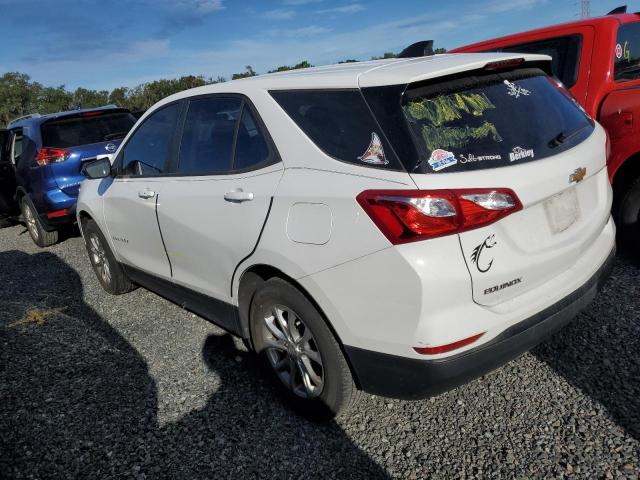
x=114, y=135
x=562, y=137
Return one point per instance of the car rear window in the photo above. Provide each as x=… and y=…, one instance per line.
x=478, y=122
x=85, y=129
x=340, y=124
x=627, y=53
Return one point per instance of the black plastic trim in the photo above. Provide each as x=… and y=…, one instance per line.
x=217, y=311
x=410, y=379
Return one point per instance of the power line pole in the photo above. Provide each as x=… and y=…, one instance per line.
x=586, y=8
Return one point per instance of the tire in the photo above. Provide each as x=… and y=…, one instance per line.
x=329, y=389
x=110, y=273
x=39, y=235
x=628, y=219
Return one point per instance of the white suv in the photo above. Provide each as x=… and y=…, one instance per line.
x=398, y=226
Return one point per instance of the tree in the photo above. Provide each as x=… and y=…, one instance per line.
x=385, y=56
x=248, y=73
x=284, y=68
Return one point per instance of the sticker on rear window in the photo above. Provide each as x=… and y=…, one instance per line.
x=516, y=90
x=374, y=153
x=518, y=153
x=470, y=158
x=618, y=51
x=441, y=159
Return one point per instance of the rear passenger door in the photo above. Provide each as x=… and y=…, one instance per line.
x=213, y=208
x=130, y=201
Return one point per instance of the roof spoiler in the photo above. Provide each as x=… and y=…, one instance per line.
x=619, y=10
x=418, y=49
x=24, y=117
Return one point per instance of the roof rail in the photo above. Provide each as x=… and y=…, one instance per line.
x=616, y=11
x=418, y=49
x=24, y=117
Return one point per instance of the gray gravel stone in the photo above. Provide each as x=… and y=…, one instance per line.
x=96, y=386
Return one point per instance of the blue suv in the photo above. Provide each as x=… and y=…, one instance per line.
x=45, y=154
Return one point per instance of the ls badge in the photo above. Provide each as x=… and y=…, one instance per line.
x=578, y=175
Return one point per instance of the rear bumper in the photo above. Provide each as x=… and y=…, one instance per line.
x=410, y=379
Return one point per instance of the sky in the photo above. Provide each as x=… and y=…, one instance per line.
x=104, y=44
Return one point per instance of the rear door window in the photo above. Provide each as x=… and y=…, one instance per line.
x=208, y=136
x=486, y=121
x=564, y=52
x=86, y=128
x=340, y=124
x=627, y=53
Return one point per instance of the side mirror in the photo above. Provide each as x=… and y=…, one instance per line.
x=98, y=168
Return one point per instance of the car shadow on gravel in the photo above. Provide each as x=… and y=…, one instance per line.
x=77, y=400
x=599, y=351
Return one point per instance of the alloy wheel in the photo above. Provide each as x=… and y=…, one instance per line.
x=30, y=219
x=293, y=352
x=99, y=258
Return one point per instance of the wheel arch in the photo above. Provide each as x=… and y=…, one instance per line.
x=626, y=173
x=251, y=279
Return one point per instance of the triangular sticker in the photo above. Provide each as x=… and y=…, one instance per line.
x=374, y=153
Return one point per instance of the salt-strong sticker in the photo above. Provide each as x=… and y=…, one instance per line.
x=441, y=159
x=516, y=90
x=374, y=153
x=470, y=158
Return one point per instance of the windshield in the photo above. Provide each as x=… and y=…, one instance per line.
x=83, y=130
x=488, y=121
x=627, y=53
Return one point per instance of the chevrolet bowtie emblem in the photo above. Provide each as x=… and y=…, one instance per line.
x=578, y=175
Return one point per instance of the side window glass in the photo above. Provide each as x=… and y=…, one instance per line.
x=340, y=124
x=208, y=135
x=627, y=53
x=564, y=53
x=145, y=153
x=251, y=147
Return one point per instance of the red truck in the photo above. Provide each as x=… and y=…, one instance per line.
x=598, y=60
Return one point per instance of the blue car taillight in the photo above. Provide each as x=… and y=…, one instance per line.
x=46, y=156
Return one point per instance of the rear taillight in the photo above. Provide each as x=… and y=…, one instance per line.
x=410, y=215
x=47, y=155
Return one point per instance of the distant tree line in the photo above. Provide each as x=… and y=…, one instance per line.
x=19, y=95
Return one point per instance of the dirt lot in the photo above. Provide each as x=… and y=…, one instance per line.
x=95, y=386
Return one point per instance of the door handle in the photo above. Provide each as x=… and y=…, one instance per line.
x=238, y=196
x=146, y=193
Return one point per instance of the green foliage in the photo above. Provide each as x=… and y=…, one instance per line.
x=385, y=56
x=446, y=108
x=434, y=113
x=456, y=137
x=284, y=68
x=248, y=73
x=19, y=95
x=440, y=50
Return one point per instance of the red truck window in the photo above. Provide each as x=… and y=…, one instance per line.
x=627, y=53
x=564, y=51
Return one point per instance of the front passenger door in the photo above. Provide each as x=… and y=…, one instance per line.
x=130, y=201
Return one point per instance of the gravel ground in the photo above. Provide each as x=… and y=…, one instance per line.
x=95, y=386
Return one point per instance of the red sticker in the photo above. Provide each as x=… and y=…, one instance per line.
x=618, y=51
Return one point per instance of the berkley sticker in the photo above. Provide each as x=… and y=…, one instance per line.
x=618, y=51
x=516, y=90
x=518, y=153
x=374, y=153
x=441, y=159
